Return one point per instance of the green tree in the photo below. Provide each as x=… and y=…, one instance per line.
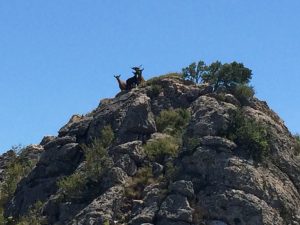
x=212, y=73
x=228, y=75
x=194, y=71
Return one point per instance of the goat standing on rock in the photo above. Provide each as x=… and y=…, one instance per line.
x=132, y=82
x=122, y=84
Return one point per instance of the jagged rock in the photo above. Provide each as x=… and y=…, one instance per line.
x=114, y=176
x=5, y=160
x=146, y=215
x=77, y=126
x=143, y=121
x=231, y=99
x=61, y=157
x=119, y=114
x=238, y=207
x=209, y=117
x=176, y=208
x=149, y=207
x=60, y=212
x=223, y=186
x=104, y=208
x=282, y=147
x=152, y=194
x=218, y=142
x=31, y=152
x=137, y=206
x=133, y=149
x=28, y=193
x=62, y=160
x=59, y=141
x=47, y=139
x=127, y=164
x=183, y=187
x=176, y=93
x=222, y=169
x=157, y=169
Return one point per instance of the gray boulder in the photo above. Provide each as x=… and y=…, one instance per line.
x=127, y=164
x=104, y=208
x=77, y=126
x=114, y=176
x=133, y=149
x=176, y=208
x=182, y=187
x=209, y=117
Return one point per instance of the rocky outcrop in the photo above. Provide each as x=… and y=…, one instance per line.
x=104, y=208
x=209, y=182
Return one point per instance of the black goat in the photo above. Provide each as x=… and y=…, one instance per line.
x=132, y=82
x=137, y=79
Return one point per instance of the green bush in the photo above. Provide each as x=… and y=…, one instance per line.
x=2, y=218
x=12, y=175
x=34, y=216
x=170, y=171
x=142, y=179
x=72, y=186
x=106, y=222
x=107, y=136
x=154, y=91
x=243, y=93
x=97, y=162
x=97, y=159
x=18, y=168
x=192, y=143
x=96, y=155
x=172, y=121
x=250, y=135
x=158, y=149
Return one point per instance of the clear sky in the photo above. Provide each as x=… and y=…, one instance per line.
x=58, y=57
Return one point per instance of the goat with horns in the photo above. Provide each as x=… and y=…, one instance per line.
x=131, y=82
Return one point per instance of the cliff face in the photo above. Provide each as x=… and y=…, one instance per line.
x=194, y=172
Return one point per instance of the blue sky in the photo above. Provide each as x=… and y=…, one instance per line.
x=58, y=58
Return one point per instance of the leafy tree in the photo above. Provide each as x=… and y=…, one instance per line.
x=194, y=71
x=212, y=73
x=228, y=75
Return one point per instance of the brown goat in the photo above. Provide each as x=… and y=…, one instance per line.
x=131, y=82
x=122, y=84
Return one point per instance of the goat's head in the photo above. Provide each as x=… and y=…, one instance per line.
x=117, y=76
x=138, y=70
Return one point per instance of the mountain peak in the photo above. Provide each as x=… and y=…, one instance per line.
x=167, y=152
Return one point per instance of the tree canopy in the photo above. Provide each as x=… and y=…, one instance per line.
x=228, y=75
